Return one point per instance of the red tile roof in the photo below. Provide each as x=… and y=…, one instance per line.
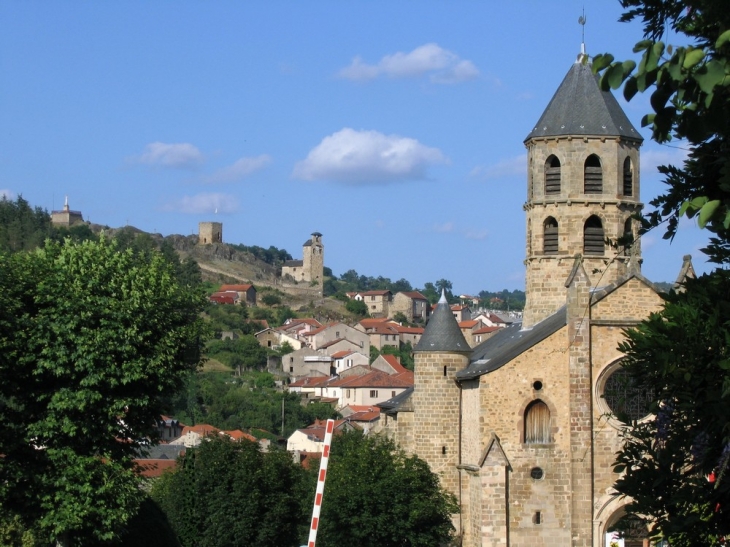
x=378, y=378
x=237, y=435
x=237, y=288
x=374, y=322
x=409, y=330
x=374, y=293
x=153, y=468
x=392, y=360
x=468, y=324
x=201, y=429
x=341, y=354
x=310, y=381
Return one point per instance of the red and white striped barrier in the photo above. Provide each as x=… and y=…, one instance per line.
x=320, y=483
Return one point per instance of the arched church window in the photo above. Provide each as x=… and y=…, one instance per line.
x=628, y=178
x=552, y=175
x=592, y=175
x=593, y=238
x=550, y=236
x=537, y=423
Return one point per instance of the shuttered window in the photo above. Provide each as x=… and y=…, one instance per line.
x=552, y=175
x=537, y=423
x=593, y=237
x=592, y=175
x=628, y=178
x=550, y=236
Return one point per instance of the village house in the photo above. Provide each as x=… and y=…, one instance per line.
x=412, y=304
x=378, y=302
x=246, y=293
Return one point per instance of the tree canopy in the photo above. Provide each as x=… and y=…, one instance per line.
x=91, y=341
x=674, y=463
x=226, y=492
x=377, y=496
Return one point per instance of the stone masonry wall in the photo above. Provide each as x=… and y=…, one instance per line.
x=504, y=395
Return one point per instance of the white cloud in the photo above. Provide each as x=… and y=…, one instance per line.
x=367, y=157
x=651, y=159
x=445, y=228
x=7, y=194
x=505, y=168
x=239, y=170
x=443, y=66
x=203, y=203
x=476, y=234
x=178, y=155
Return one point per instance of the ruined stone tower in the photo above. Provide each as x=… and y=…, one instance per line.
x=582, y=188
x=439, y=355
x=313, y=258
x=210, y=232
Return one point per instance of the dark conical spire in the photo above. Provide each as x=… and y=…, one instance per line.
x=442, y=332
x=579, y=107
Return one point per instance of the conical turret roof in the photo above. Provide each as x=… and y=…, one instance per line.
x=579, y=107
x=442, y=332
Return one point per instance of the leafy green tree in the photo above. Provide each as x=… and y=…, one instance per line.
x=270, y=299
x=681, y=354
x=91, y=339
x=357, y=307
x=377, y=496
x=285, y=349
x=230, y=493
x=682, y=357
x=690, y=96
x=21, y=226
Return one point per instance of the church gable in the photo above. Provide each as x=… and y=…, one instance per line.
x=629, y=301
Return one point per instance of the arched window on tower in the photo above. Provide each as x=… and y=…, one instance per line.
x=592, y=175
x=593, y=239
x=628, y=178
x=537, y=423
x=550, y=236
x=552, y=175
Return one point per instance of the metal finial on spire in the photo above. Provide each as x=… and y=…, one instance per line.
x=443, y=300
x=582, y=23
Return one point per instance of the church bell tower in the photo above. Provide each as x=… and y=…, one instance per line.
x=582, y=188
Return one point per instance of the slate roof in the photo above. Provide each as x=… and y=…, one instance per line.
x=508, y=343
x=294, y=263
x=442, y=332
x=393, y=404
x=579, y=107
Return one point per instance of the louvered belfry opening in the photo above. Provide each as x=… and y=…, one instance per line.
x=593, y=238
x=537, y=423
x=628, y=178
x=550, y=236
x=552, y=175
x=592, y=175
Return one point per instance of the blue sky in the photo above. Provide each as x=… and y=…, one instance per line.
x=393, y=128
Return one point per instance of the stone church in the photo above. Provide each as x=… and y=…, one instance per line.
x=522, y=429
